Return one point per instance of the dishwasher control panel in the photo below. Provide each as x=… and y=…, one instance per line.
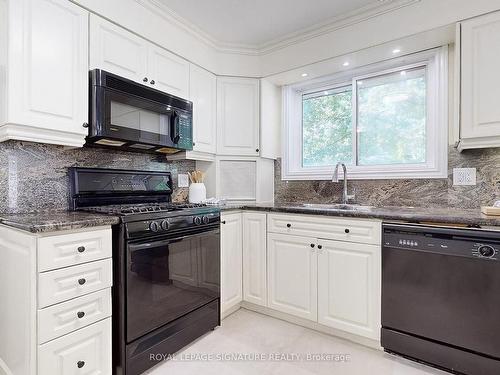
x=456, y=242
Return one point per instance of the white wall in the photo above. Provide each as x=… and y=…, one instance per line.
x=153, y=23
x=421, y=16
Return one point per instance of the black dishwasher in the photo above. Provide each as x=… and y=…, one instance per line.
x=441, y=296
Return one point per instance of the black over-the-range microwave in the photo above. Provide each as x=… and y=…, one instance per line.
x=128, y=115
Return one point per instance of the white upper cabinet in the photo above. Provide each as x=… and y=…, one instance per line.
x=203, y=87
x=44, y=55
x=237, y=116
x=480, y=82
x=121, y=52
x=116, y=50
x=168, y=72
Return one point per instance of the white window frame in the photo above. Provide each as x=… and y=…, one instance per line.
x=436, y=166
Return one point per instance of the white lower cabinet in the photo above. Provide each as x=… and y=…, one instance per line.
x=292, y=275
x=231, y=261
x=86, y=351
x=254, y=258
x=349, y=287
x=58, y=288
x=336, y=283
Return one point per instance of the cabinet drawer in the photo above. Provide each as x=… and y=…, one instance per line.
x=86, y=351
x=352, y=230
x=66, y=317
x=74, y=248
x=64, y=284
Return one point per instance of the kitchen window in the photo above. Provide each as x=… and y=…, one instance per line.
x=387, y=120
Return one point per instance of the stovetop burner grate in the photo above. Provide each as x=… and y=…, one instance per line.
x=129, y=209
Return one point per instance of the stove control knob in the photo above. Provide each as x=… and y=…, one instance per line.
x=197, y=220
x=486, y=251
x=154, y=227
x=205, y=220
x=164, y=225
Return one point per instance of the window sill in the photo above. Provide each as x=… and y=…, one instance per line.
x=373, y=174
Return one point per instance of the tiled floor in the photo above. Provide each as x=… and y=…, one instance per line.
x=252, y=333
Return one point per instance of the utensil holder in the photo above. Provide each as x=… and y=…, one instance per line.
x=197, y=192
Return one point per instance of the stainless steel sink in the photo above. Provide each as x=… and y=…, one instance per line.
x=337, y=206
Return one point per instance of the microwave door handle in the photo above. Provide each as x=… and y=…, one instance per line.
x=174, y=127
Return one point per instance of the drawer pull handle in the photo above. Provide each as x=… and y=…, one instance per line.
x=312, y=245
x=223, y=222
x=289, y=225
x=80, y=364
x=80, y=314
x=320, y=247
x=346, y=230
x=82, y=281
x=81, y=249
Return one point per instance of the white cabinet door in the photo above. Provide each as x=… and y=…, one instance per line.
x=168, y=72
x=202, y=92
x=117, y=50
x=349, y=287
x=254, y=258
x=48, y=70
x=480, y=79
x=237, y=116
x=292, y=275
x=86, y=351
x=231, y=267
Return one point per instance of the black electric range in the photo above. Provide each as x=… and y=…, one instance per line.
x=166, y=263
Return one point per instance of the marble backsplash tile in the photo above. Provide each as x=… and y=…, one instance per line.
x=418, y=193
x=34, y=176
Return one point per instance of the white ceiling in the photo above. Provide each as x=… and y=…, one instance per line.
x=258, y=22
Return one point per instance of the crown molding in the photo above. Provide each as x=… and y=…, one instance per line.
x=345, y=20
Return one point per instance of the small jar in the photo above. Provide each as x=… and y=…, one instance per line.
x=197, y=192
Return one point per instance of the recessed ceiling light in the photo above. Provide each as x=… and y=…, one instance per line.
x=403, y=73
x=396, y=50
x=325, y=92
x=360, y=82
x=346, y=63
x=304, y=74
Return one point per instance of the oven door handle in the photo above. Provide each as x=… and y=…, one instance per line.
x=167, y=241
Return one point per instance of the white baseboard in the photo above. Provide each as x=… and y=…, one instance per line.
x=374, y=344
x=224, y=314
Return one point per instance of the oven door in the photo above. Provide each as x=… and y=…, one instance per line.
x=169, y=278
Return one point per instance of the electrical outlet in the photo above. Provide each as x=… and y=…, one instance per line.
x=464, y=176
x=182, y=180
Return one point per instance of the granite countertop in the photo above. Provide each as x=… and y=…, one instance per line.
x=51, y=221
x=407, y=214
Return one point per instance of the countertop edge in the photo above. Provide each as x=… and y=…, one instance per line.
x=416, y=217
x=60, y=226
